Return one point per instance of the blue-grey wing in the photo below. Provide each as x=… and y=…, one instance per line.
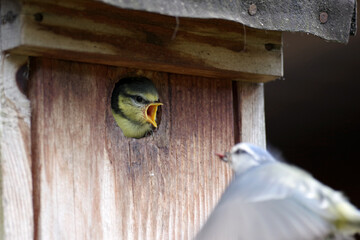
x=272, y=202
x=268, y=220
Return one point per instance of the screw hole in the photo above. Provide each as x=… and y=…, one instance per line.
x=38, y=17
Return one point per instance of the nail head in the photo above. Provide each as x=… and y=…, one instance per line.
x=252, y=9
x=323, y=17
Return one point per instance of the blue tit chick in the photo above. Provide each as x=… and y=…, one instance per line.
x=272, y=200
x=134, y=104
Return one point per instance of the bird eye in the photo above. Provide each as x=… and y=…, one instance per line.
x=239, y=151
x=139, y=99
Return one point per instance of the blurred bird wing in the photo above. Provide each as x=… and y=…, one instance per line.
x=269, y=220
x=273, y=201
x=280, y=181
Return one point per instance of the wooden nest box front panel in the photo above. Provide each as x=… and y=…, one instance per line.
x=92, y=181
x=67, y=170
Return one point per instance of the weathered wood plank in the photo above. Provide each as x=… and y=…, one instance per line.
x=90, y=31
x=93, y=183
x=11, y=22
x=250, y=114
x=267, y=15
x=16, y=221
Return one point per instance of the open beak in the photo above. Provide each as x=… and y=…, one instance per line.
x=150, y=113
x=224, y=157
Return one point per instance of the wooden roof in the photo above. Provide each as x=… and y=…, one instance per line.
x=329, y=19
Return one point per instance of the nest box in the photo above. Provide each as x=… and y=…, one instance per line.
x=67, y=171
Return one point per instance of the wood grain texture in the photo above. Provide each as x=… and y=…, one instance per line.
x=91, y=31
x=249, y=113
x=16, y=210
x=90, y=182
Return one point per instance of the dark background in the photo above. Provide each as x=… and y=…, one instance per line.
x=313, y=116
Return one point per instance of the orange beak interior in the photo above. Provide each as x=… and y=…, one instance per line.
x=150, y=113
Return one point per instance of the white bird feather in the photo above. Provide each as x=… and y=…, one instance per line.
x=272, y=200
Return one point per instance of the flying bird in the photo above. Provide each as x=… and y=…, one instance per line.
x=271, y=200
x=134, y=104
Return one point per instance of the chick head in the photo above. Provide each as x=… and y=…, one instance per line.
x=134, y=104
